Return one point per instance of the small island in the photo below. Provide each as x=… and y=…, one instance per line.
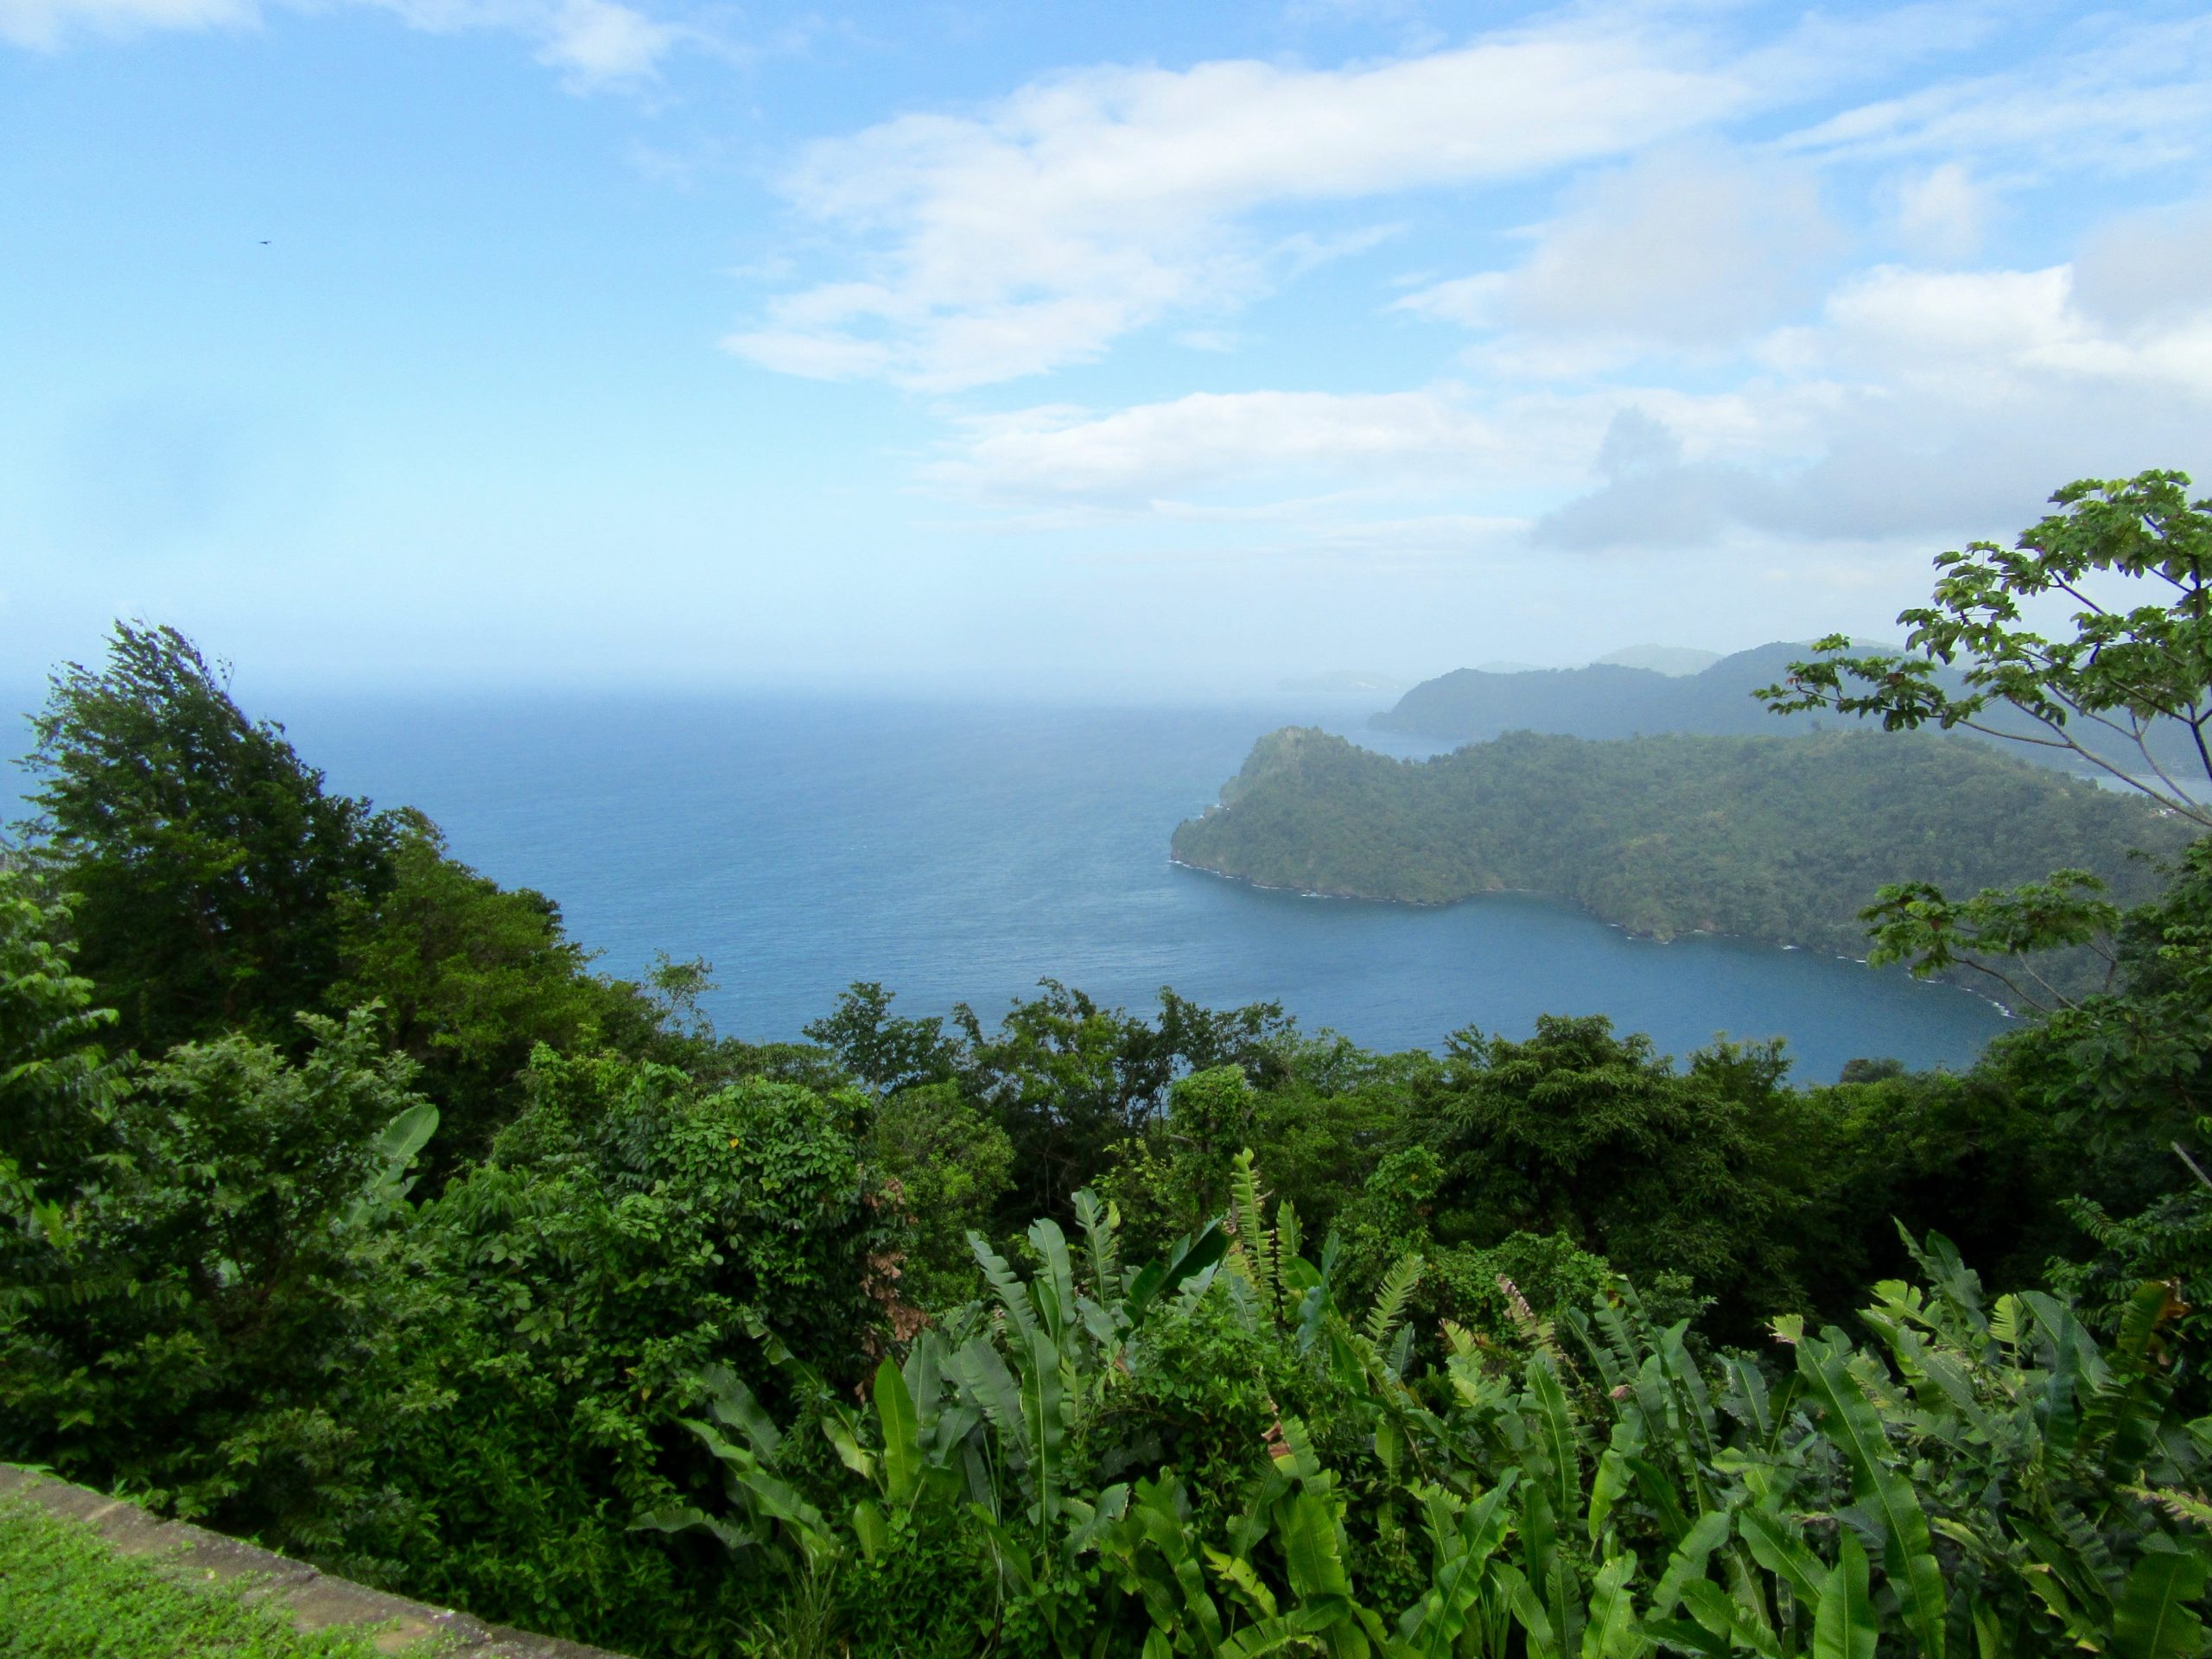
x=1782, y=839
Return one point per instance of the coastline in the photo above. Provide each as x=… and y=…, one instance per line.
x=1562, y=899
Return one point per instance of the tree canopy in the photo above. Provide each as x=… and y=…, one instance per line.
x=207, y=863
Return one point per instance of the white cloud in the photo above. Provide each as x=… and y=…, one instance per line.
x=1471, y=302
x=1943, y=212
x=1687, y=248
x=45, y=23
x=1920, y=405
x=2148, y=268
x=593, y=42
x=1955, y=402
x=1245, y=449
x=1035, y=232
x=1940, y=323
x=597, y=41
x=1206, y=440
x=2120, y=98
x=1990, y=337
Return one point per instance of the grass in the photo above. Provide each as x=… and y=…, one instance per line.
x=65, y=1594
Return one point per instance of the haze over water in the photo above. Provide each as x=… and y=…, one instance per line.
x=962, y=852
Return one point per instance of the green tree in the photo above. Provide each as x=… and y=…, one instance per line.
x=206, y=1329
x=1579, y=1132
x=2124, y=689
x=944, y=1164
x=885, y=1051
x=57, y=1082
x=2124, y=693
x=628, y=1228
x=469, y=978
x=209, y=864
x=1070, y=1080
x=1964, y=1154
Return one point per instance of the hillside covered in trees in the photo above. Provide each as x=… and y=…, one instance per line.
x=344, y=1206
x=1599, y=700
x=1782, y=839
x=1607, y=700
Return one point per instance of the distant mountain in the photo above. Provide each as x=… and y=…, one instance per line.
x=1675, y=661
x=1605, y=700
x=1343, y=682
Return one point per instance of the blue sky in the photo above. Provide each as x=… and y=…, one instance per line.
x=1109, y=349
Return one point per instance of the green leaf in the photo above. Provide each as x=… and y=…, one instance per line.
x=1041, y=1410
x=1777, y=1548
x=685, y=1518
x=1687, y=1565
x=1434, y=1623
x=1848, y=1418
x=1099, y=1222
x=1549, y=1570
x=1555, y=1433
x=2154, y=1619
x=1007, y=1283
x=1054, y=1290
x=406, y=1134
x=1253, y=1253
x=733, y=1404
x=1844, y=1625
x=1528, y=1612
x=1240, y=1576
x=871, y=1530
x=1611, y=1632
x=984, y=1376
x=902, y=1447
x=1161, y=1523
x=837, y=1429
x=1161, y=1278
x=1713, y=1608
x=1307, y=1533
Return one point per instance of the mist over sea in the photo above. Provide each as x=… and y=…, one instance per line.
x=961, y=852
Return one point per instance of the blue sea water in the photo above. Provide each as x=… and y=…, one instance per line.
x=962, y=852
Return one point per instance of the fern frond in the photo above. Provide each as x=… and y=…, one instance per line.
x=1290, y=1240
x=1391, y=1296
x=1254, y=1251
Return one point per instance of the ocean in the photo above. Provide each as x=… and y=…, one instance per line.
x=962, y=852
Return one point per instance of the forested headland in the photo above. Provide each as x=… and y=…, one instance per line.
x=1774, y=838
x=347, y=1207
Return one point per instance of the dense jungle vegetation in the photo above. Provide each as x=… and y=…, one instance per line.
x=1774, y=838
x=347, y=1208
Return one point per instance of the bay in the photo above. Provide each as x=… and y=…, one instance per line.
x=961, y=852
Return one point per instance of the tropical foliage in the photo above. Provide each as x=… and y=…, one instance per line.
x=374, y=1222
